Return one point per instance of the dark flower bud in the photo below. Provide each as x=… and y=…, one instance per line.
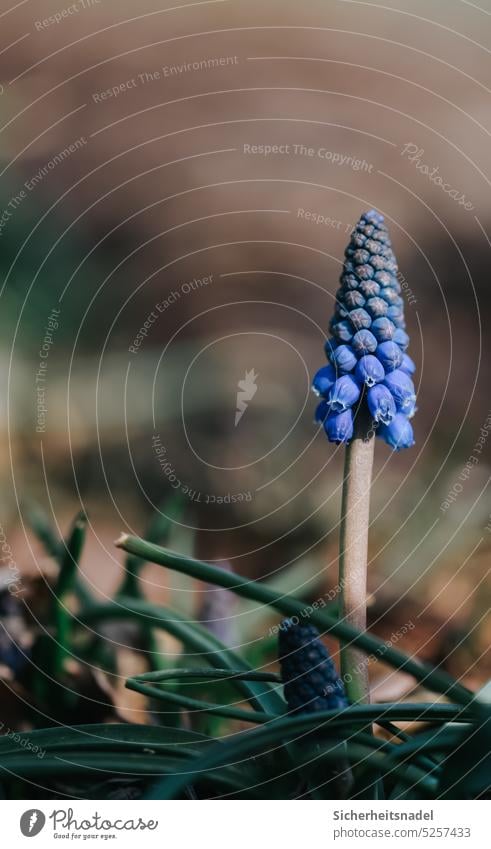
x=378, y=262
x=343, y=331
x=310, y=680
x=358, y=240
x=354, y=299
x=383, y=278
x=329, y=347
x=369, y=288
x=360, y=319
x=360, y=257
x=349, y=281
x=374, y=247
x=377, y=307
x=363, y=342
x=365, y=272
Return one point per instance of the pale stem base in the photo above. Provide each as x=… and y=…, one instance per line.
x=353, y=551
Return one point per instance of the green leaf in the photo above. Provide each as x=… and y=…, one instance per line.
x=145, y=684
x=196, y=638
x=158, y=531
x=466, y=772
x=64, y=585
x=433, y=678
x=100, y=735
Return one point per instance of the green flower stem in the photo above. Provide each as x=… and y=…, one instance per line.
x=353, y=548
x=435, y=679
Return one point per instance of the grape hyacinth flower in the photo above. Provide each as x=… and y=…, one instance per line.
x=367, y=389
x=368, y=343
x=310, y=680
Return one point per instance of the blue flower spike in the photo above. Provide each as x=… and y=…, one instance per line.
x=369, y=368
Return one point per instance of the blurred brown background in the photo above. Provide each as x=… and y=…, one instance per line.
x=131, y=166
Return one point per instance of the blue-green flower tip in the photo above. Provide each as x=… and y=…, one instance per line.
x=368, y=363
x=310, y=680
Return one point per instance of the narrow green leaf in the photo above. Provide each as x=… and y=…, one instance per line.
x=260, y=694
x=146, y=682
x=64, y=585
x=433, y=678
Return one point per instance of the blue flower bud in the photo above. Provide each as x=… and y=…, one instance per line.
x=323, y=380
x=369, y=370
x=381, y=404
x=349, y=281
x=360, y=256
x=398, y=321
x=369, y=288
x=411, y=409
x=353, y=299
x=329, y=347
x=360, y=319
x=390, y=355
x=365, y=272
x=372, y=246
x=401, y=388
x=394, y=313
x=343, y=331
x=358, y=239
x=377, y=307
x=383, y=329
x=321, y=412
x=398, y=433
x=378, y=263
x=401, y=338
x=363, y=342
x=407, y=365
x=374, y=217
x=343, y=394
x=344, y=359
x=383, y=278
x=390, y=295
x=339, y=426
